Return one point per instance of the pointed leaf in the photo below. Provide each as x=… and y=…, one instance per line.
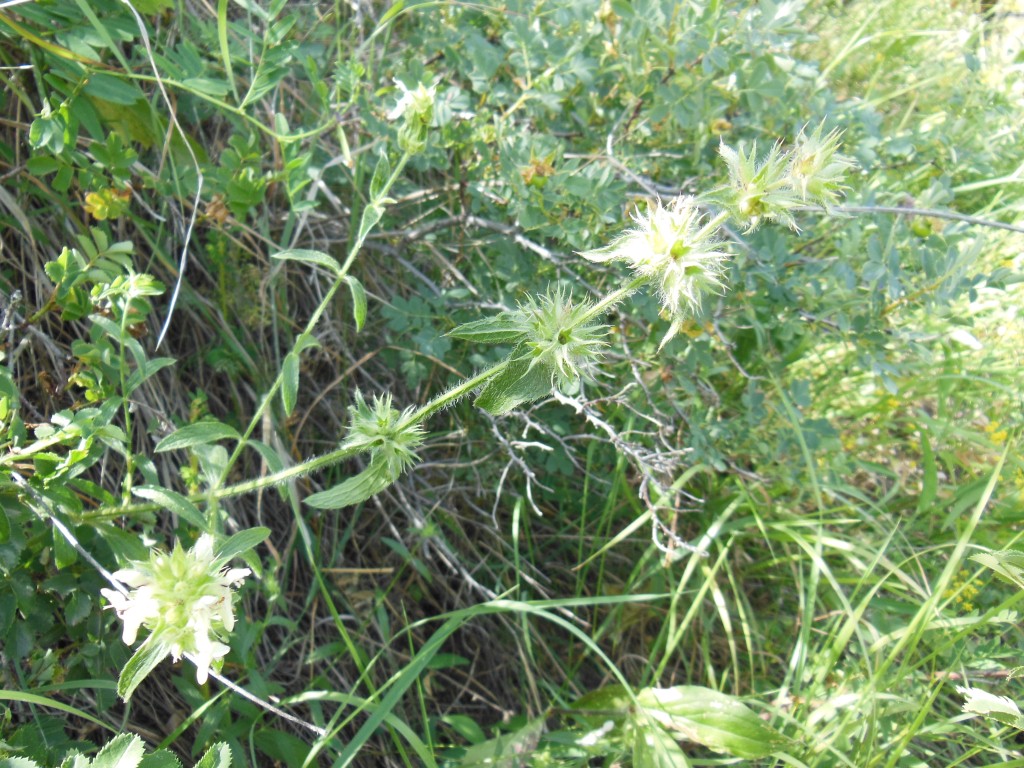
x=142, y=662
x=367, y=483
x=654, y=748
x=358, y=301
x=381, y=174
x=1001, y=708
x=500, y=329
x=716, y=720
x=289, y=382
x=200, y=433
x=173, y=501
x=519, y=383
x=390, y=13
x=309, y=257
x=241, y=542
x=371, y=215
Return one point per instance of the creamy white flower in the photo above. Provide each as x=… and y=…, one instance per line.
x=418, y=102
x=184, y=598
x=673, y=247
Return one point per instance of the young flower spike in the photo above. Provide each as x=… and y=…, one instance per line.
x=184, y=598
x=816, y=168
x=415, y=109
x=676, y=250
x=758, y=191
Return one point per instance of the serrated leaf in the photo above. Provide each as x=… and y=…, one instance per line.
x=500, y=329
x=517, y=384
x=123, y=751
x=358, y=301
x=381, y=174
x=142, y=662
x=217, y=756
x=160, y=759
x=1008, y=564
x=241, y=542
x=371, y=481
x=309, y=257
x=711, y=718
x=200, y=433
x=1001, y=708
x=289, y=382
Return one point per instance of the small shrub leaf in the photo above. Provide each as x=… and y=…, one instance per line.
x=173, y=501
x=655, y=748
x=381, y=174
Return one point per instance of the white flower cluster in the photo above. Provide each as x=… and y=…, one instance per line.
x=184, y=598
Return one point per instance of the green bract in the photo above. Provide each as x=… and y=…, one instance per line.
x=557, y=345
x=816, y=168
x=391, y=440
x=758, y=191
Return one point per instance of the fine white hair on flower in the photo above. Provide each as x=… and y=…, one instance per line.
x=674, y=247
x=184, y=598
x=418, y=101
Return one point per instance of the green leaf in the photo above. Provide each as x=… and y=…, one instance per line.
x=1001, y=708
x=509, y=750
x=289, y=382
x=123, y=751
x=142, y=662
x=371, y=481
x=173, y=501
x=217, y=756
x=390, y=13
x=200, y=433
x=63, y=553
x=309, y=257
x=241, y=542
x=381, y=174
x=716, y=720
x=5, y=527
x=500, y=329
x=113, y=89
x=371, y=215
x=18, y=762
x=519, y=383
x=358, y=301
x=654, y=748
x=160, y=759
x=207, y=86
x=1008, y=564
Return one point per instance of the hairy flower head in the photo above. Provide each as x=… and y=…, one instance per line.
x=416, y=110
x=816, y=168
x=559, y=339
x=673, y=247
x=758, y=191
x=184, y=598
x=378, y=428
